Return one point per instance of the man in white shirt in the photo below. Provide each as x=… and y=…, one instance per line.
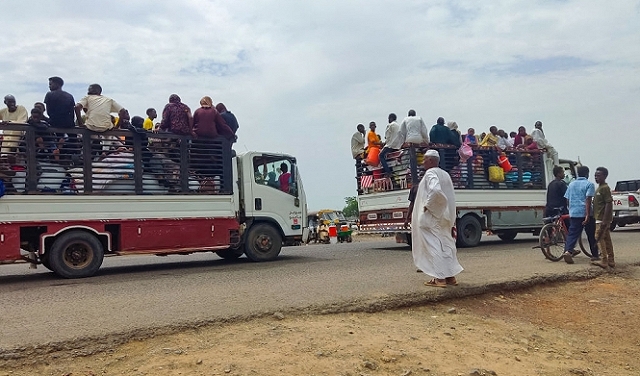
x=99, y=109
x=392, y=142
x=413, y=130
x=503, y=142
x=357, y=151
x=357, y=143
x=13, y=113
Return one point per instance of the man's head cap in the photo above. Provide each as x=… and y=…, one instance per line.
x=432, y=153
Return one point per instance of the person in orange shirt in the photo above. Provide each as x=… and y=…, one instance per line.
x=374, y=144
x=373, y=140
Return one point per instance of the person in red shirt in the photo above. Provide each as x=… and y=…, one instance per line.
x=284, y=178
x=519, y=139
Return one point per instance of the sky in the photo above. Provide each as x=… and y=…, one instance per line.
x=300, y=75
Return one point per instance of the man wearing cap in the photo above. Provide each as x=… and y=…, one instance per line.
x=433, y=225
x=14, y=113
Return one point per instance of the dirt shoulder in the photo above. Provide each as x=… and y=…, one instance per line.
x=574, y=328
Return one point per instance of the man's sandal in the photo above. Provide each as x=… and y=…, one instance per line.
x=451, y=281
x=436, y=283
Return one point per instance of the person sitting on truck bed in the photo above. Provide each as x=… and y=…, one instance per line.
x=392, y=143
x=228, y=117
x=538, y=136
x=176, y=117
x=440, y=134
x=491, y=138
x=45, y=141
x=470, y=138
x=519, y=138
x=208, y=123
x=151, y=116
x=12, y=113
x=413, y=130
x=99, y=109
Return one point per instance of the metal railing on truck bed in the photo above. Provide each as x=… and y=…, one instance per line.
x=119, y=162
x=527, y=169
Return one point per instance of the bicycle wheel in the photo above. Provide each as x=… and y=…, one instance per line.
x=552, y=240
x=583, y=242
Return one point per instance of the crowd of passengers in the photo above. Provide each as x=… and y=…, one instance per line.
x=96, y=113
x=372, y=153
x=99, y=113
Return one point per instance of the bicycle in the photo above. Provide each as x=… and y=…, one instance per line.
x=553, y=237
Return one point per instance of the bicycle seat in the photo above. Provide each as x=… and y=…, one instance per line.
x=549, y=219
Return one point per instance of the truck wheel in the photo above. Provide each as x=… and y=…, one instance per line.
x=230, y=253
x=507, y=236
x=469, y=231
x=76, y=254
x=612, y=226
x=263, y=243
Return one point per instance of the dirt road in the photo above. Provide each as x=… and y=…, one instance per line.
x=575, y=328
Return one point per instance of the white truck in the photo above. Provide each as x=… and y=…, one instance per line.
x=72, y=197
x=515, y=205
x=626, y=203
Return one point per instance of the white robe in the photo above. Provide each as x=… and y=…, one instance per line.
x=433, y=247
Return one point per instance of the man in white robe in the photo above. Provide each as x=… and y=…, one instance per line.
x=552, y=155
x=433, y=224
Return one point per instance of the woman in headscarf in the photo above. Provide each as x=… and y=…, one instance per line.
x=176, y=117
x=208, y=123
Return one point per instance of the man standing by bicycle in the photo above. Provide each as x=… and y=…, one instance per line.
x=580, y=195
x=555, y=194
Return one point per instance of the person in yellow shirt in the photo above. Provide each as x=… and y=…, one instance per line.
x=491, y=139
x=151, y=116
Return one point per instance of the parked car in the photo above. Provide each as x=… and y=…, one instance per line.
x=626, y=203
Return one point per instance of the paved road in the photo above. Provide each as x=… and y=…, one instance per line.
x=132, y=293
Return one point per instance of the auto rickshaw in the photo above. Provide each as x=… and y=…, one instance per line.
x=320, y=221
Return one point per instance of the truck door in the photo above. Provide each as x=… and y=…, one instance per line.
x=275, y=191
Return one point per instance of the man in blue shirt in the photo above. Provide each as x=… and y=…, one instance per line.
x=579, y=195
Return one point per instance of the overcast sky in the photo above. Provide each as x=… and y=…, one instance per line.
x=300, y=75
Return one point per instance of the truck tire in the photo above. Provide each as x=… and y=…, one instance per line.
x=263, y=243
x=508, y=235
x=76, y=254
x=469, y=231
x=45, y=261
x=230, y=253
x=612, y=226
